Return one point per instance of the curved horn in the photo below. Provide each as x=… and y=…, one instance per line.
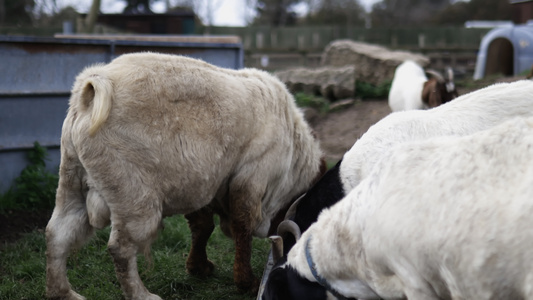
x=435, y=74
x=292, y=209
x=291, y=227
x=277, y=247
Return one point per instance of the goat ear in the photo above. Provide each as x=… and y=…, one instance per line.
x=435, y=97
x=426, y=91
x=431, y=95
x=277, y=247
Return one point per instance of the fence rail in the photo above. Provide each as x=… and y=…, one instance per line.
x=463, y=63
x=314, y=39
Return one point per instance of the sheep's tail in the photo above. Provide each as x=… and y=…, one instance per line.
x=97, y=90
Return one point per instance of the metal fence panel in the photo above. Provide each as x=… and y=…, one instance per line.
x=38, y=73
x=315, y=38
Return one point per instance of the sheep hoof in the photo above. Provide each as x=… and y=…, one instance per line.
x=152, y=297
x=71, y=295
x=200, y=269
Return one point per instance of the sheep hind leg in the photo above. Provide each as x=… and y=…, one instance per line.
x=125, y=242
x=243, y=275
x=68, y=228
x=201, y=225
x=245, y=208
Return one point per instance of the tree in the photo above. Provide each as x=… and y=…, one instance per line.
x=138, y=6
x=460, y=12
x=336, y=12
x=16, y=12
x=90, y=19
x=276, y=12
x=389, y=13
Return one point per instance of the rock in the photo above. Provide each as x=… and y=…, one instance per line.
x=330, y=82
x=342, y=104
x=374, y=64
x=342, y=64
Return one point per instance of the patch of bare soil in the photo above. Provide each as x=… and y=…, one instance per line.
x=14, y=224
x=338, y=130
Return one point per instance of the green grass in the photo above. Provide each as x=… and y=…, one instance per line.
x=366, y=90
x=91, y=272
x=306, y=100
x=35, y=187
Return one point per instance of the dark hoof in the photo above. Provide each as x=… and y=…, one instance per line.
x=202, y=269
x=249, y=286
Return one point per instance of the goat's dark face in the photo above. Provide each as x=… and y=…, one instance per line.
x=431, y=93
x=436, y=92
x=285, y=283
x=437, y=89
x=449, y=91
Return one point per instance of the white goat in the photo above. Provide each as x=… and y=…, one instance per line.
x=470, y=113
x=467, y=114
x=445, y=218
x=150, y=135
x=411, y=88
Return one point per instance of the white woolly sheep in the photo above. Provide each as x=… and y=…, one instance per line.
x=466, y=114
x=151, y=135
x=460, y=230
x=411, y=88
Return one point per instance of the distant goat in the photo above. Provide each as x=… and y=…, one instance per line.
x=412, y=89
x=444, y=218
x=150, y=135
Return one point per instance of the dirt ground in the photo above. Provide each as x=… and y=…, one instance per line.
x=337, y=130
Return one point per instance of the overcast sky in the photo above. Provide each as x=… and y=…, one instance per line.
x=227, y=12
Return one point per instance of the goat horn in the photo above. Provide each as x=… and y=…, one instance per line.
x=277, y=247
x=292, y=209
x=291, y=227
x=435, y=74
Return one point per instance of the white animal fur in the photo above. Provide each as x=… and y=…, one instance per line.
x=150, y=135
x=406, y=88
x=446, y=218
x=464, y=115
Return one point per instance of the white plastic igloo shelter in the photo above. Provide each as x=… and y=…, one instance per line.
x=505, y=50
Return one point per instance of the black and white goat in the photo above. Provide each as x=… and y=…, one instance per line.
x=463, y=232
x=467, y=114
